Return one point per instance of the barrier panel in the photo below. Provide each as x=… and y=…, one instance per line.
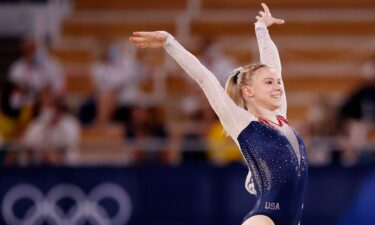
x=191, y=194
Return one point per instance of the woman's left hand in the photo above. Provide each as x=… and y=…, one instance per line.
x=154, y=39
x=266, y=17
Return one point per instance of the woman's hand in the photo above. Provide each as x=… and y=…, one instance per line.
x=266, y=17
x=153, y=39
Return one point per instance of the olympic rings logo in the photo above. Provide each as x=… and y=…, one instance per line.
x=86, y=208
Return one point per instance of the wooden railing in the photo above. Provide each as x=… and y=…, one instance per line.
x=287, y=4
x=130, y=5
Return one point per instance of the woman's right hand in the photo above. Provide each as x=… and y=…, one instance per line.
x=154, y=39
x=266, y=17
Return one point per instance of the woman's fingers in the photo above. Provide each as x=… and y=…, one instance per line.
x=279, y=21
x=262, y=13
x=266, y=9
x=142, y=34
x=149, y=36
x=266, y=16
x=138, y=33
x=136, y=40
x=145, y=39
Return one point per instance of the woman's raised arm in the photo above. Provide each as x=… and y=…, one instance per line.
x=268, y=52
x=233, y=118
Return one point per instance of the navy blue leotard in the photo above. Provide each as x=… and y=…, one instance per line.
x=279, y=178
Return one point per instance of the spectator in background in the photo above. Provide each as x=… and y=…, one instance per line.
x=197, y=118
x=319, y=129
x=116, y=76
x=15, y=113
x=36, y=70
x=52, y=138
x=146, y=135
x=357, y=116
x=216, y=61
x=221, y=149
x=361, y=104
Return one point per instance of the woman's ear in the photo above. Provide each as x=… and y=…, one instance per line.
x=247, y=91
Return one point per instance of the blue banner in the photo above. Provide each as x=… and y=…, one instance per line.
x=194, y=194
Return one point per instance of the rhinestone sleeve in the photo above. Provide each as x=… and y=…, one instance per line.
x=233, y=118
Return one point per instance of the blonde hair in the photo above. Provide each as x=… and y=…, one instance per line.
x=240, y=77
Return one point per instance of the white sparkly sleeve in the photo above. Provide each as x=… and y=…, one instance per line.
x=233, y=118
x=269, y=55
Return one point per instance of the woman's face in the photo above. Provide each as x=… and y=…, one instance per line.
x=266, y=89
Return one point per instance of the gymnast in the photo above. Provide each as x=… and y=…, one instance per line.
x=253, y=111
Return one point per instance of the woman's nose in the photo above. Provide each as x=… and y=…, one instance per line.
x=277, y=86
